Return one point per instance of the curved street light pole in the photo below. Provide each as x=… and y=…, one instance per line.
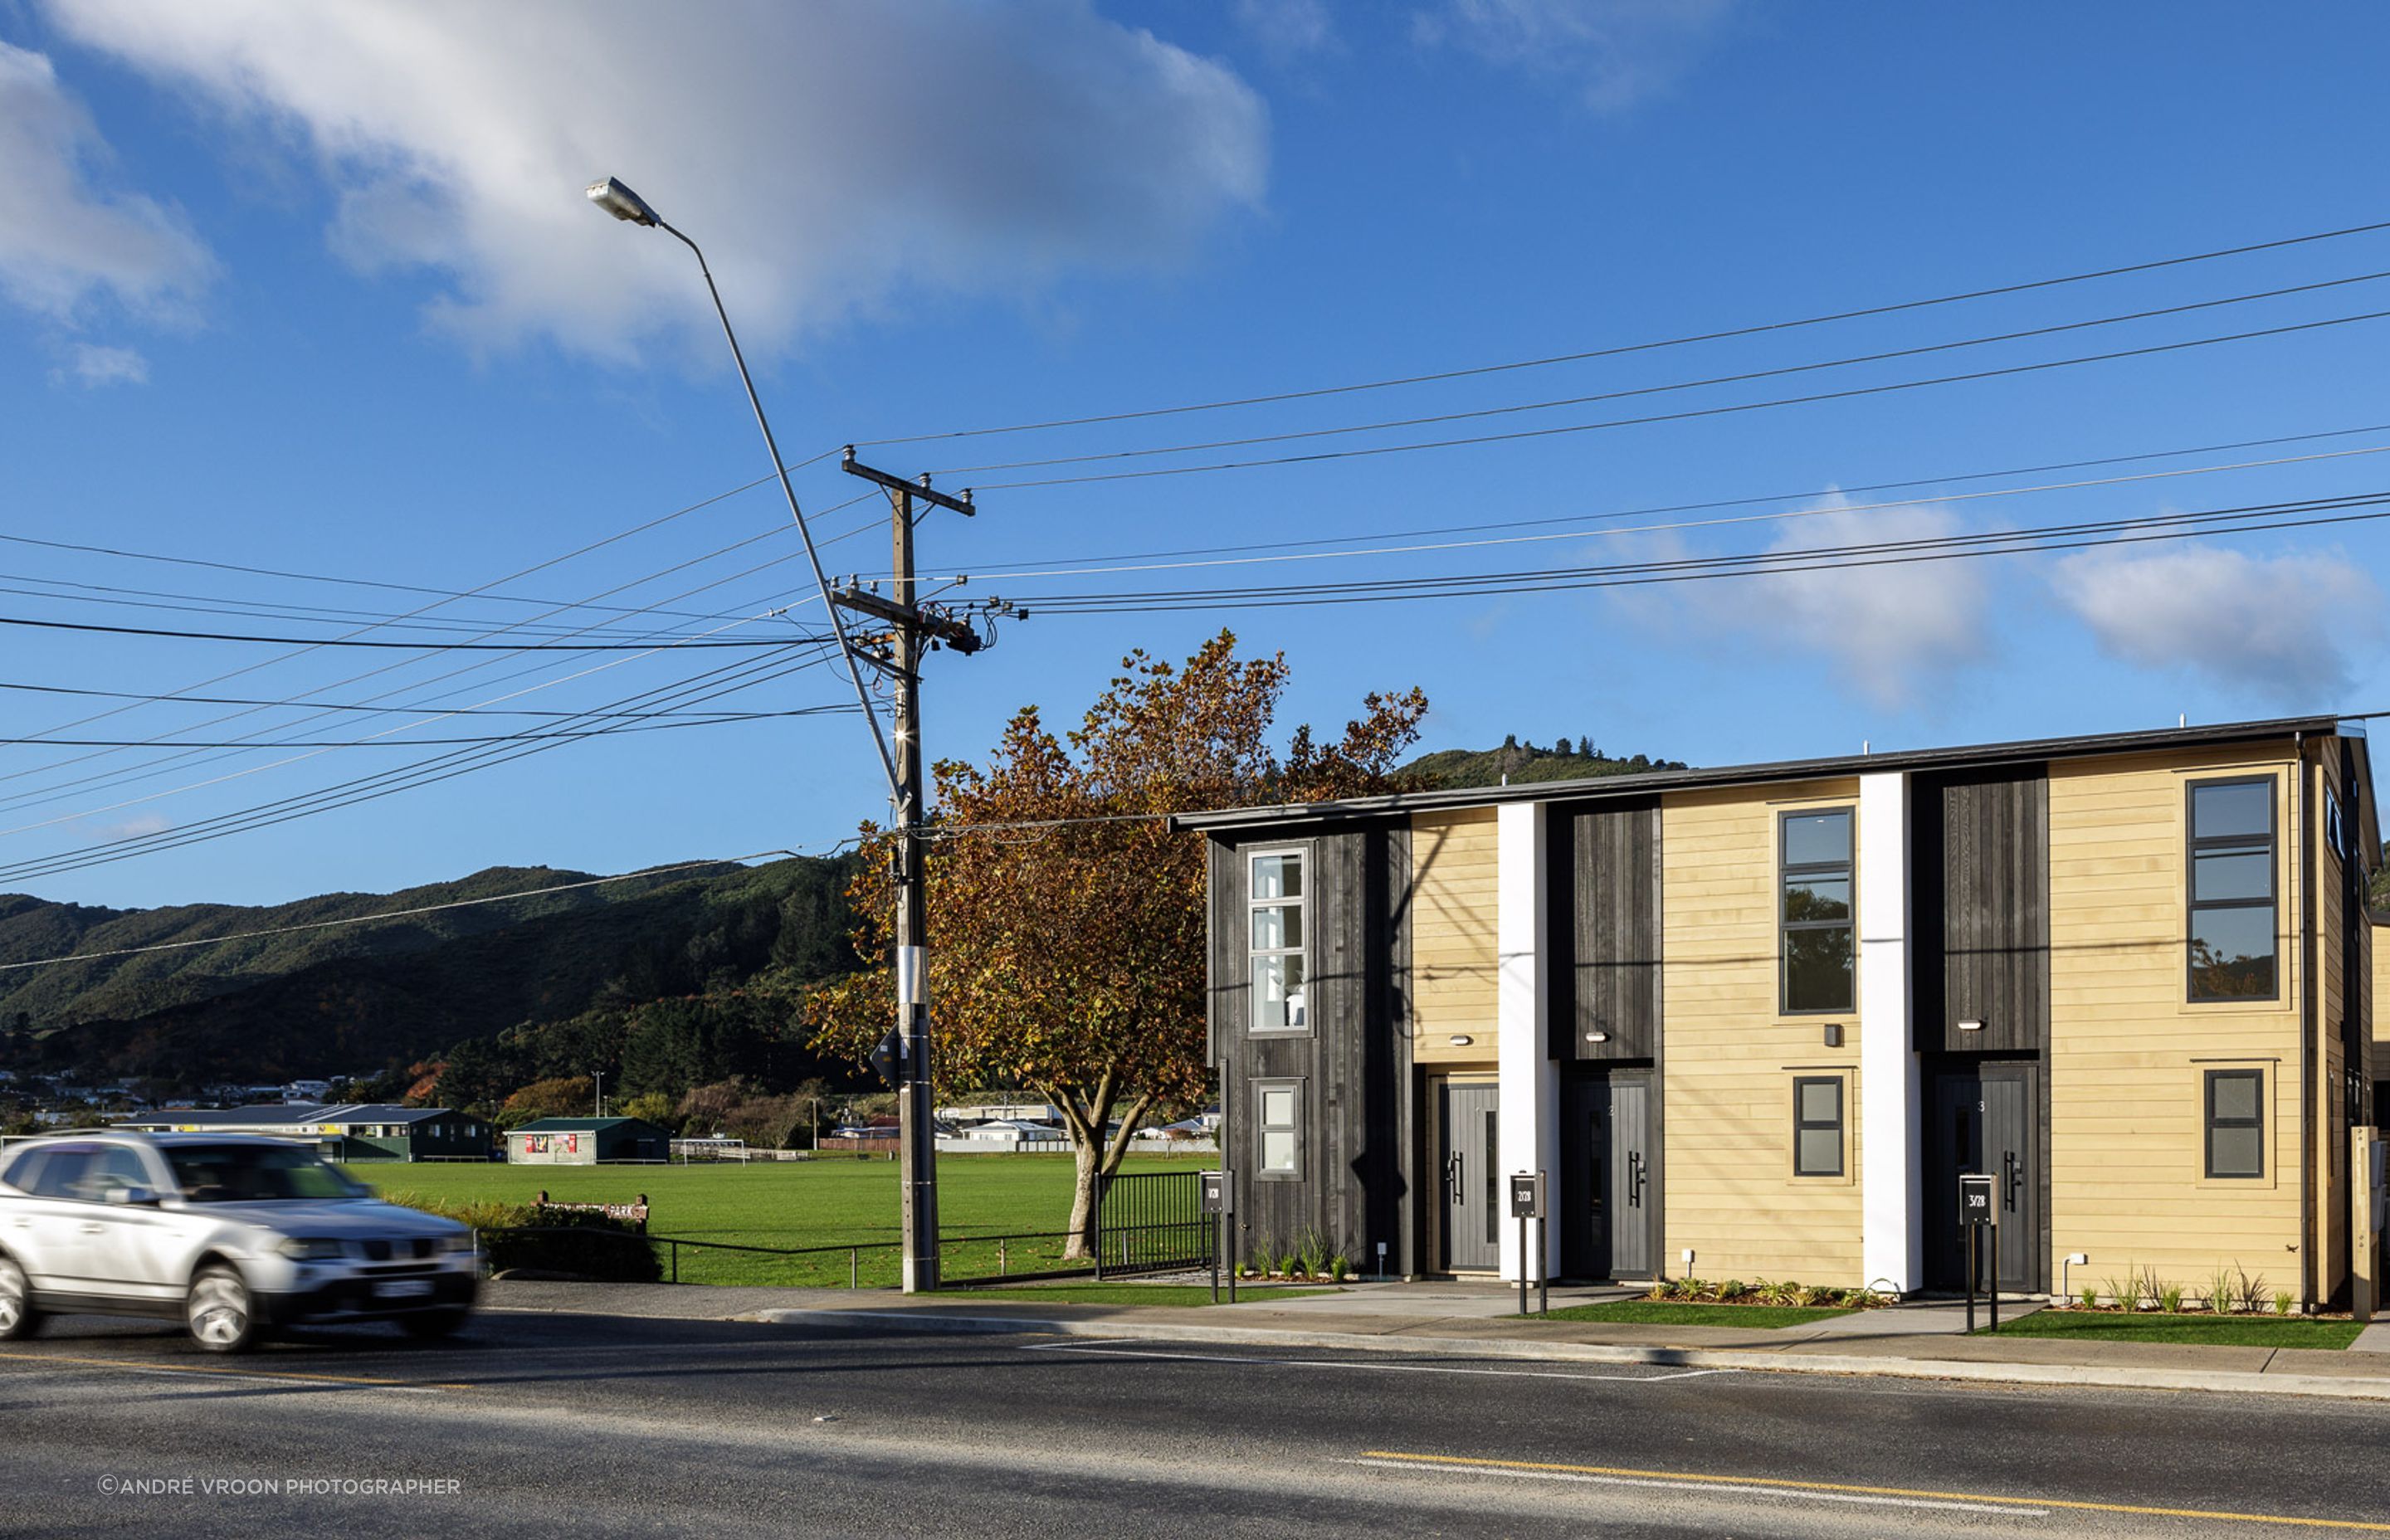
x=625, y=204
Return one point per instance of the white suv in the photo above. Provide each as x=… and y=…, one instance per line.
x=231, y=1235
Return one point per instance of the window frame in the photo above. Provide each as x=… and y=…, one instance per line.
x=1263, y=1129
x=2193, y=844
x=1840, y=1125
x=2209, y=1124
x=1848, y=868
x=1300, y=905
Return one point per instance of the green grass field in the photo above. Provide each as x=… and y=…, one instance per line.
x=1662, y=1313
x=796, y=1204
x=2115, y=1326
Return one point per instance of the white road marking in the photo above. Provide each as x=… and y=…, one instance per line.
x=1108, y=1350
x=1793, y=1493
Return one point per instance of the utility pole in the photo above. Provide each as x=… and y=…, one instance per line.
x=909, y=627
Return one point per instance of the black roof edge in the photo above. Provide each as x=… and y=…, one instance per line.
x=1604, y=786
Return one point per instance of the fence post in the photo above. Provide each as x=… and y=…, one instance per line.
x=676, y=1260
x=1096, y=1225
x=1000, y=1257
x=852, y=1270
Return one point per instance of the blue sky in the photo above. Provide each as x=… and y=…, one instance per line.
x=317, y=292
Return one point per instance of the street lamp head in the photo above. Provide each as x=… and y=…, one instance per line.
x=621, y=202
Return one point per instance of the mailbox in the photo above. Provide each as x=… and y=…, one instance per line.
x=1218, y=1196
x=1527, y=1195
x=1975, y=1205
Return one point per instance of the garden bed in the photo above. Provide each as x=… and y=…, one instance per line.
x=1681, y=1313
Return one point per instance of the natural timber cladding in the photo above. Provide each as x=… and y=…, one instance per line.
x=2128, y=1051
x=1606, y=930
x=1732, y=1057
x=1453, y=967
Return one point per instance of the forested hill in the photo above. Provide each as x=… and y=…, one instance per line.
x=361, y=998
x=1522, y=763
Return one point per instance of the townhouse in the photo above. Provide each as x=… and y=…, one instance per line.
x=1755, y=1021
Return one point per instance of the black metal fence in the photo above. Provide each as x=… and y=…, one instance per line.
x=1152, y=1222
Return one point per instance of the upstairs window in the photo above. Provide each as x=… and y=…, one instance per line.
x=1819, y=954
x=2232, y=933
x=1276, y=934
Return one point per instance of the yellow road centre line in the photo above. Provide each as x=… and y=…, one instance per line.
x=1778, y=1484
x=231, y=1373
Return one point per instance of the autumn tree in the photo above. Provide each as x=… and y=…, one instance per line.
x=1066, y=917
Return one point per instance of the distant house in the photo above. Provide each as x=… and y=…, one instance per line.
x=370, y=1131
x=586, y=1141
x=311, y=1092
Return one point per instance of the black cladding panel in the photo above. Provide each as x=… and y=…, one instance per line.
x=1605, y=911
x=1981, y=850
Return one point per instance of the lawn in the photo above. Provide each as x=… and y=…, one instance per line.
x=795, y=1204
x=2104, y=1326
x=1666, y=1312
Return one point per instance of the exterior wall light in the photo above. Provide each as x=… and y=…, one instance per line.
x=1461, y=1040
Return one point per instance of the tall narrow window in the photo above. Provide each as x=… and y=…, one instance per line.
x=1277, y=1124
x=2236, y=1123
x=1817, y=1125
x=1274, y=901
x=2232, y=858
x=1819, y=954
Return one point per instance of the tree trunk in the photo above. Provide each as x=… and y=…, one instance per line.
x=1084, y=1112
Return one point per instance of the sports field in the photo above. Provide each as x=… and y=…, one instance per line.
x=796, y=1204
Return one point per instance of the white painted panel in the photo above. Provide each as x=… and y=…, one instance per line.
x=1892, y=1247
x=1529, y=1079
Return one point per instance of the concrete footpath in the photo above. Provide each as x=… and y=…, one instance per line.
x=1925, y=1340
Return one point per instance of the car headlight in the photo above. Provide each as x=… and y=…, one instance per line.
x=460, y=1242
x=307, y=1250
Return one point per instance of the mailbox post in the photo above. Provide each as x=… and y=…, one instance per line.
x=1220, y=1202
x=1978, y=1213
x=1526, y=1203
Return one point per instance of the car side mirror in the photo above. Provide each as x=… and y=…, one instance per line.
x=132, y=1197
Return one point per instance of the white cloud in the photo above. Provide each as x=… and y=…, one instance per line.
x=63, y=236
x=831, y=156
x=1888, y=630
x=2275, y=627
x=133, y=828
x=1621, y=52
x=1286, y=30
x=92, y=367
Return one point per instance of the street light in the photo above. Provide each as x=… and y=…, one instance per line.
x=920, y=1147
x=625, y=204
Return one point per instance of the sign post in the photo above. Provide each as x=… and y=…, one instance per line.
x=1526, y=1203
x=1977, y=1213
x=1219, y=1200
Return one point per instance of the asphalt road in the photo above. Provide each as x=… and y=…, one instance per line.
x=534, y=1425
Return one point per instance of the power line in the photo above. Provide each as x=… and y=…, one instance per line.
x=1613, y=530
x=1694, y=413
x=346, y=641
x=1752, y=564
x=1742, y=377
x=1622, y=350
x=716, y=719
x=312, y=705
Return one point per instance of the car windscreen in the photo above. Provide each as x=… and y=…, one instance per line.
x=252, y=1173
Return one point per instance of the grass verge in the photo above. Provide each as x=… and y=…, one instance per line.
x=1663, y=1313
x=1129, y=1293
x=2101, y=1326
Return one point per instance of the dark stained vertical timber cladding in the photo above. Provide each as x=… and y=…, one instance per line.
x=1981, y=849
x=1604, y=910
x=1354, y=1059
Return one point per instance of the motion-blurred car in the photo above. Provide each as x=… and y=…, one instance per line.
x=233, y=1236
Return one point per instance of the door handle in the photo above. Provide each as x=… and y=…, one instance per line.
x=1452, y=1183
x=2012, y=1178
x=1634, y=1179
x=92, y=1227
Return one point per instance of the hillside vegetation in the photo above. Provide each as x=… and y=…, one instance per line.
x=1525, y=764
x=367, y=998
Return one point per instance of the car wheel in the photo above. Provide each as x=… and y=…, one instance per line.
x=218, y=1310
x=433, y=1323
x=18, y=1316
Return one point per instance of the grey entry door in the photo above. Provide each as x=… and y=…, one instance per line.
x=1984, y=1121
x=1468, y=1128
x=1636, y=1201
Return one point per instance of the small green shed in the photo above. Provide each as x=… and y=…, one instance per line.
x=586, y=1141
